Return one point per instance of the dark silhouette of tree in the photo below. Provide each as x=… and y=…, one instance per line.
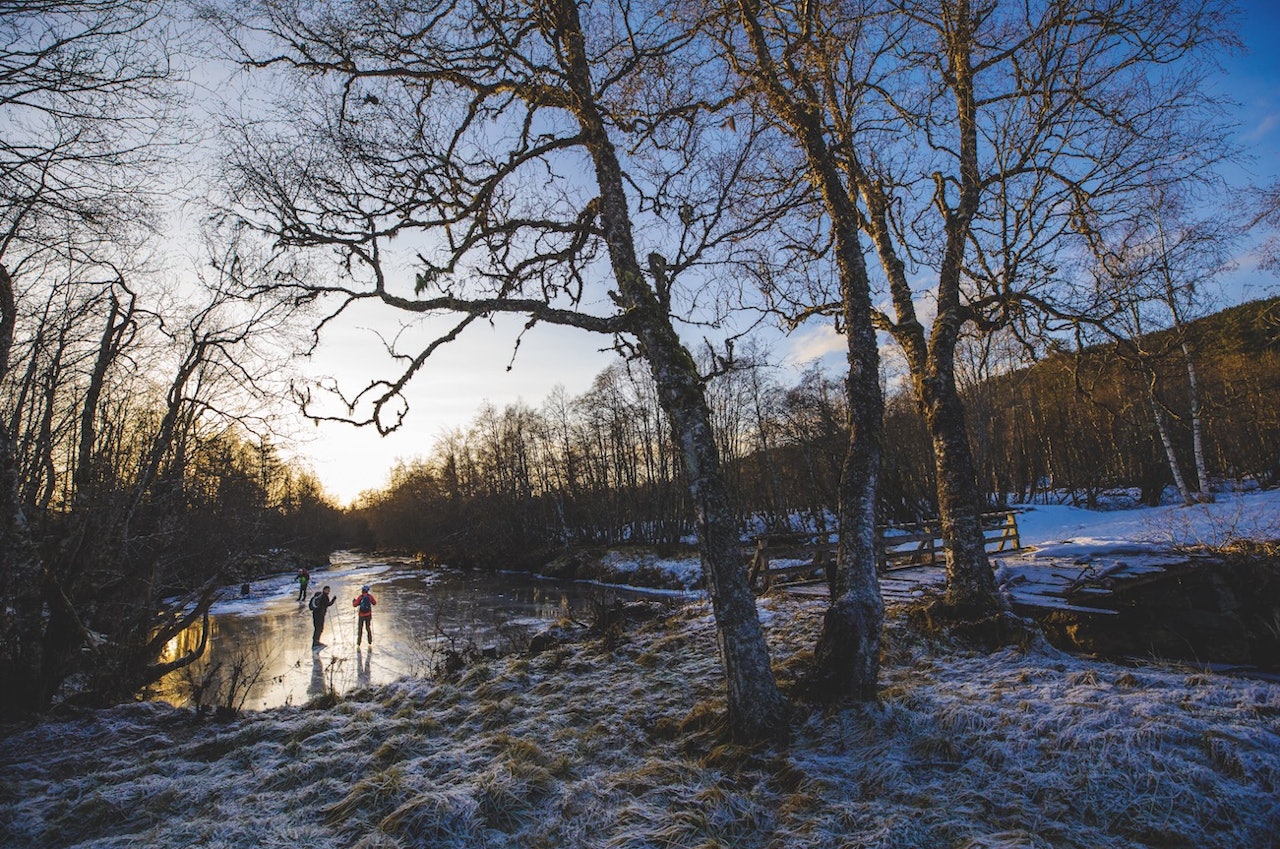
x=517, y=145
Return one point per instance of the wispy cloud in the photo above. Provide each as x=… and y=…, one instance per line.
x=815, y=343
x=1263, y=128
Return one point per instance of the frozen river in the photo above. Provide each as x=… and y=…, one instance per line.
x=260, y=655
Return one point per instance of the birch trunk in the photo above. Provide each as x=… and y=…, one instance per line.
x=1166, y=439
x=971, y=584
x=757, y=708
x=847, y=654
x=1205, y=492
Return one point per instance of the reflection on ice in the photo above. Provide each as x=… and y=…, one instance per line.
x=260, y=654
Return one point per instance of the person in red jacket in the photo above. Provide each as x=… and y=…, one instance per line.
x=364, y=604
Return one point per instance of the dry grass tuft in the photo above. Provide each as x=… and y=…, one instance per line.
x=791, y=668
x=395, y=749
x=446, y=818
x=1087, y=677
x=377, y=840
x=706, y=716
x=1127, y=680
x=387, y=788
x=506, y=796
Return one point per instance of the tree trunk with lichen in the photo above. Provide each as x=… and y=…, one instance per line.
x=757, y=708
x=971, y=586
x=847, y=653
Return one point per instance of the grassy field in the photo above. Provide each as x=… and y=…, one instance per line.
x=617, y=743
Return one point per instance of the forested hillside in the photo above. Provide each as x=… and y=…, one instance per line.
x=1083, y=422
x=520, y=483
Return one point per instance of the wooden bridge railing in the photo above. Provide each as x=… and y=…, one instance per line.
x=900, y=547
x=920, y=543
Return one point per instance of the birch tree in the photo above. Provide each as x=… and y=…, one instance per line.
x=1158, y=273
x=973, y=144
x=519, y=148
x=774, y=69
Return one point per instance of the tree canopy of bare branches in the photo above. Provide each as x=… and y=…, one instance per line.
x=980, y=147
x=513, y=157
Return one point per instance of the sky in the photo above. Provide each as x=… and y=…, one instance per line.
x=472, y=371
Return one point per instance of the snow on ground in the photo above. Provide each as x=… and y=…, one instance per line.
x=614, y=745
x=1138, y=536
x=678, y=572
x=1058, y=530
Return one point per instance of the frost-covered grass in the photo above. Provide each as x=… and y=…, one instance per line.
x=615, y=744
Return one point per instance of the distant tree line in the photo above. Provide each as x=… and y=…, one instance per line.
x=136, y=464
x=519, y=484
x=1081, y=422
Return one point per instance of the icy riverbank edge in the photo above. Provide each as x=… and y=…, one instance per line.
x=613, y=743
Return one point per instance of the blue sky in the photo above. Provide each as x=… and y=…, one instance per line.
x=450, y=390
x=1252, y=80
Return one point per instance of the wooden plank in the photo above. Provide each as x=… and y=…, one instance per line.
x=794, y=570
x=1050, y=603
x=1092, y=591
x=903, y=539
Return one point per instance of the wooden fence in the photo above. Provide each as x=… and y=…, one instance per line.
x=804, y=556
x=920, y=543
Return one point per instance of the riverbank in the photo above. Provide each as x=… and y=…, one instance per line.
x=636, y=566
x=613, y=742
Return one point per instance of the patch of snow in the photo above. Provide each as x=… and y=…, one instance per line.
x=685, y=572
x=1074, y=532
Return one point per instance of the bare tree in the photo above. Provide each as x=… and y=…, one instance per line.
x=1156, y=273
x=514, y=146
x=974, y=143
x=83, y=94
x=769, y=59
x=86, y=93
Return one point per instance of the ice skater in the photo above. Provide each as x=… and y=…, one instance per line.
x=364, y=602
x=319, y=604
x=304, y=578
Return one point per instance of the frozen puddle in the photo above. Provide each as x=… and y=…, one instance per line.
x=260, y=656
